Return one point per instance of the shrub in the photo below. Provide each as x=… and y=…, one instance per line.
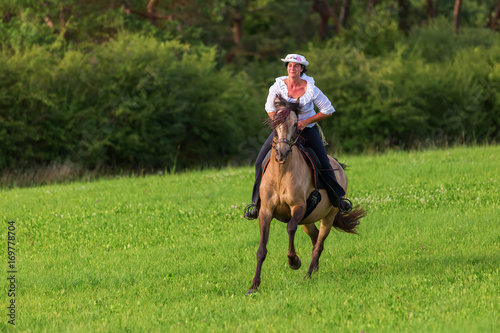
x=130, y=103
x=410, y=97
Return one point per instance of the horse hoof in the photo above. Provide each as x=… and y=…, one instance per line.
x=251, y=291
x=307, y=277
x=295, y=267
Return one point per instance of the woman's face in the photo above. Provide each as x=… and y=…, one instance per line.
x=294, y=69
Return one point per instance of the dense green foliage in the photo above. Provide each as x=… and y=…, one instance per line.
x=105, y=89
x=431, y=88
x=172, y=252
x=135, y=101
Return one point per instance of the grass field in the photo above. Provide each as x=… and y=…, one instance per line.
x=173, y=253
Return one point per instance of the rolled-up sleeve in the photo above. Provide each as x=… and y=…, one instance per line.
x=322, y=102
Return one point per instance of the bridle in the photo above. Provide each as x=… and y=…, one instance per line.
x=293, y=141
x=290, y=143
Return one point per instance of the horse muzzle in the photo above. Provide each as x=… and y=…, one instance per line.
x=283, y=148
x=281, y=156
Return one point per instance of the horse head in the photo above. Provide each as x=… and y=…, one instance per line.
x=284, y=125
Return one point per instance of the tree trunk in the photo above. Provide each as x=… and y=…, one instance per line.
x=151, y=11
x=319, y=7
x=146, y=15
x=325, y=12
x=237, y=25
x=432, y=9
x=494, y=22
x=404, y=12
x=370, y=6
x=490, y=19
x=456, y=15
x=436, y=6
x=62, y=15
x=344, y=13
x=331, y=11
x=6, y=17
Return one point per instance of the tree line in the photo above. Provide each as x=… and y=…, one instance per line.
x=236, y=26
x=169, y=85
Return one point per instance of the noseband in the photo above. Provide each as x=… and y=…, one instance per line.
x=290, y=143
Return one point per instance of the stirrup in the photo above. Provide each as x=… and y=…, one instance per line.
x=343, y=201
x=251, y=212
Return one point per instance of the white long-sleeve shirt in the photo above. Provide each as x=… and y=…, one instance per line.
x=313, y=96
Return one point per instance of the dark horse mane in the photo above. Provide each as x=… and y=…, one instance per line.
x=283, y=109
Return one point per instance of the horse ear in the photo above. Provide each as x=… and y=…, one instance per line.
x=297, y=106
x=279, y=101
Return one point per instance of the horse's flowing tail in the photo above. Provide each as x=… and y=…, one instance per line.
x=348, y=222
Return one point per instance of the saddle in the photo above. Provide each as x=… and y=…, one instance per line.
x=312, y=161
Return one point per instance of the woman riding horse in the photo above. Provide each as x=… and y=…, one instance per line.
x=298, y=87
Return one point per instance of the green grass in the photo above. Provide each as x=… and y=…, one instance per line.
x=173, y=252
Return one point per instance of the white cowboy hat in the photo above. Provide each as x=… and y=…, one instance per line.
x=297, y=58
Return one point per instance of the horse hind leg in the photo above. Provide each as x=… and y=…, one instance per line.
x=324, y=231
x=312, y=231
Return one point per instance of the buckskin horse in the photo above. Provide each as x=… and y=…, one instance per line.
x=286, y=185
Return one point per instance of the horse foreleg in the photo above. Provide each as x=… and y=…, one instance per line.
x=297, y=215
x=264, y=224
x=324, y=231
x=312, y=231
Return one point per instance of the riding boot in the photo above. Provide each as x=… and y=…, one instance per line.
x=252, y=210
x=335, y=191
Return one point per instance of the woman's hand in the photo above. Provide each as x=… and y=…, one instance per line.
x=317, y=117
x=302, y=124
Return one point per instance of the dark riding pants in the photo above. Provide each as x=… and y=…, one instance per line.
x=312, y=140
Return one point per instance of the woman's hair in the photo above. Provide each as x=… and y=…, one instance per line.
x=304, y=68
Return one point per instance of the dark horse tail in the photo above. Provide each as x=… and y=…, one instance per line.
x=349, y=221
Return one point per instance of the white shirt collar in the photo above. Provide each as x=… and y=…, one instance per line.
x=308, y=95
